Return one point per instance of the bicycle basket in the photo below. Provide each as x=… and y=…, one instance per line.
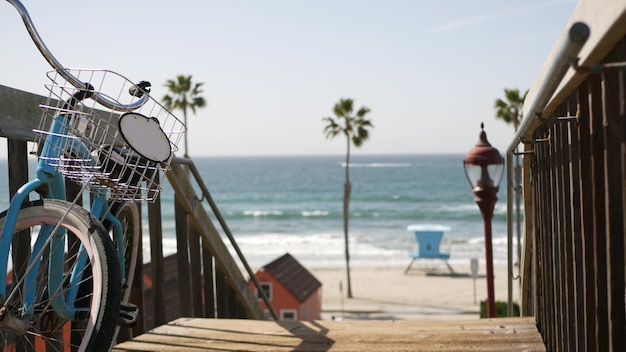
x=83, y=140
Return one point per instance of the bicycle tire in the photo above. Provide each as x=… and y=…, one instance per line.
x=99, y=287
x=128, y=214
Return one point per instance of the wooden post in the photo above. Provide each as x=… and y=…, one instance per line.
x=182, y=255
x=208, y=282
x=136, y=287
x=195, y=271
x=156, y=259
x=18, y=175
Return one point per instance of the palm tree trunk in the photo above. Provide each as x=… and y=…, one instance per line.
x=346, y=200
x=186, y=130
x=347, y=188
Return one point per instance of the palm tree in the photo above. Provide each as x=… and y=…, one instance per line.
x=183, y=95
x=510, y=110
x=355, y=128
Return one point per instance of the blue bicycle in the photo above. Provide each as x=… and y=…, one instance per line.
x=64, y=269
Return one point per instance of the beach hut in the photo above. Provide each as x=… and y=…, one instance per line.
x=292, y=290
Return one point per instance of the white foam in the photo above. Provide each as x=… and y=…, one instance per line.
x=314, y=213
x=260, y=213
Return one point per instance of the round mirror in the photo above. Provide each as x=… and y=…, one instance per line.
x=145, y=136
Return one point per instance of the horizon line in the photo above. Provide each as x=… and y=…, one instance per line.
x=314, y=155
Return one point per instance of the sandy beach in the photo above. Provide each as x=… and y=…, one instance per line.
x=389, y=293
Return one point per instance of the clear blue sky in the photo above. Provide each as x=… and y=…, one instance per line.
x=430, y=71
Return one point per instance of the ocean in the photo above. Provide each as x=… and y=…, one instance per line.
x=293, y=204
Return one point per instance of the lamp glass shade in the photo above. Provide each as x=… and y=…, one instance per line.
x=484, y=176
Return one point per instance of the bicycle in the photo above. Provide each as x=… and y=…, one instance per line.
x=64, y=269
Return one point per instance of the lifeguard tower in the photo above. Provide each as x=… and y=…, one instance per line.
x=428, y=238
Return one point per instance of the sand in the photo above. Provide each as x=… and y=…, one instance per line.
x=389, y=293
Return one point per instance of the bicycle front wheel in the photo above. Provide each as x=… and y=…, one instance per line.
x=87, y=278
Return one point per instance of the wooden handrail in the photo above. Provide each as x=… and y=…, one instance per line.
x=218, y=215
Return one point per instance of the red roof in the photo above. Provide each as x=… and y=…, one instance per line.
x=293, y=276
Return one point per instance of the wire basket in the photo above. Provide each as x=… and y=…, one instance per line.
x=86, y=144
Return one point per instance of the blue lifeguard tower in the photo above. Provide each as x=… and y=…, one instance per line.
x=428, y=238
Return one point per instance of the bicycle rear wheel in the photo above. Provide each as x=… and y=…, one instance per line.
x=39, y=327
x=128, y=214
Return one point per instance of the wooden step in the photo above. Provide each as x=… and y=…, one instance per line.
x=195, y=334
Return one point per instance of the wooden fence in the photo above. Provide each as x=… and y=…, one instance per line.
x=208, y=280
x=574, y=184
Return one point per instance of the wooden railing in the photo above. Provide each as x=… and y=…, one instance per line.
x=574, y=186
x=209, y=281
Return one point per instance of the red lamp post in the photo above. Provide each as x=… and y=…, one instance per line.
x=483, y=167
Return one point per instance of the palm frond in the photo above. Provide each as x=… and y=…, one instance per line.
x=354, y=127
x=510, y=110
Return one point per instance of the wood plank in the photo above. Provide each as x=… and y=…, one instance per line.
x=194, y=334
x=598, y=231
x=587, y=109
x=577, y=239
x=19, y=113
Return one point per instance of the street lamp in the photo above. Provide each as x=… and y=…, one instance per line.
x=483, y=167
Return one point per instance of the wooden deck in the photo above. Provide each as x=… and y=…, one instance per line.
x=195, y=334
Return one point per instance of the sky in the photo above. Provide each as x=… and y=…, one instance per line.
x=429, y=71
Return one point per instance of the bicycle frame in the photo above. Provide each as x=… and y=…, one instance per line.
x=113, y=144
x=50, y=184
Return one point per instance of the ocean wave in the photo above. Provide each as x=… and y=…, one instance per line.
x=320, y=247
x=281, y=214
x=314, y=213
x=262, y=213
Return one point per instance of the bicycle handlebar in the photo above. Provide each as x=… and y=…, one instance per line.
x=32, y=31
